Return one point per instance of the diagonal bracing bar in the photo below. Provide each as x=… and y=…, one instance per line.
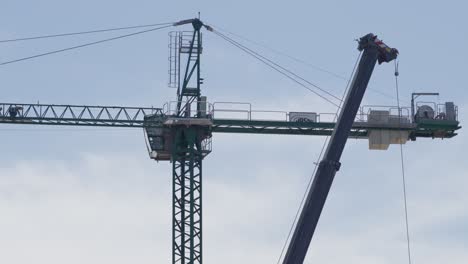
x=187, y=197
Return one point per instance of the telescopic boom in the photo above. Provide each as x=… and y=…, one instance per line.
x=374, y=51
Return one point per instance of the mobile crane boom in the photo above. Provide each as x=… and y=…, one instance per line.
x=373, y=50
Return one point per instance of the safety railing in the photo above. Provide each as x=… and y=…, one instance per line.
x=232, y=110
x=395, y=113
x=327, y=117
x=432, y=110
x=442, y=111
x=244, y=111
x=174, y=59
x=205, y=109
x=186, y=38
x=206, y=146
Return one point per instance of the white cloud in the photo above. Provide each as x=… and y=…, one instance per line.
x=116, y=208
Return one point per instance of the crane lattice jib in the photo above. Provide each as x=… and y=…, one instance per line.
x=145, y=117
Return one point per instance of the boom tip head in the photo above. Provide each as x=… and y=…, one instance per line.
x=386, y=54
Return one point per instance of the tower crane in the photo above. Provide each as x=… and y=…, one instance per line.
x=180, y=132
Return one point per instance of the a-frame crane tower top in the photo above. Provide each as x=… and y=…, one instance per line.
x=181, y=131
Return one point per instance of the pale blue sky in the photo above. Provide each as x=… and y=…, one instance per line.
x=93, y=195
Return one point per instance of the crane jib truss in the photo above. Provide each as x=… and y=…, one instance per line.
x=134, y=117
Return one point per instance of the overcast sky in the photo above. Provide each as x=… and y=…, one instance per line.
x=75, y=195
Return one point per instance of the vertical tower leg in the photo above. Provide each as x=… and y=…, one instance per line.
x=187, y=156
x=187, y=199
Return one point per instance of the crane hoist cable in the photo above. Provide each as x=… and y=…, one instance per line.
x=316, y=165
x=402, y=162
x=282, y=70
x=84, y=32
x=84, y=45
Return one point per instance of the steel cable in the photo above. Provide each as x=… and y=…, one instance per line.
x=315, y=67
x=82, y=45
x=83, y=32
x=289, y=71
x=285, y=55
x=402, y=162
x=279, y=68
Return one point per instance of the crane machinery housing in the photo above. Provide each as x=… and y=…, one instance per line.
x=181, y=132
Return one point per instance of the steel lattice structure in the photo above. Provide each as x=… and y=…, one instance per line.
x=134, y=117
x=187, y=198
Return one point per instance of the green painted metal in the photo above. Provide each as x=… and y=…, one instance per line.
x=187, y=156
x=435, y=128
x=438, y=124
x=187, y=159
x=426, y=129
x=273, y=131
x=146, y=117
x=423, y=129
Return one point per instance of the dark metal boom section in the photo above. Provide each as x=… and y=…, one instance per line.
x=189, y=90
x=187, y=197
x=187, y=154
x=373, y=50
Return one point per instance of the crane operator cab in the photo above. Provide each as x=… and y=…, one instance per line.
x=161, y=129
